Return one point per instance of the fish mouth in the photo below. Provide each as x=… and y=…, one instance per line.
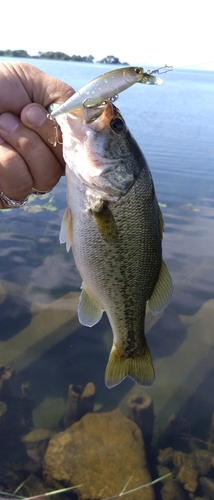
x=90, y=133
x=98, y=117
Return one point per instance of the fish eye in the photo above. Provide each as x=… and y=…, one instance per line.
x=117, y=124
x=137, y=70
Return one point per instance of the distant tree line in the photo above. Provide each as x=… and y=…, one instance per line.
x=60, y=56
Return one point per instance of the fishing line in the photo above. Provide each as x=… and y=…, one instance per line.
x=166, y=68
x=195, y=64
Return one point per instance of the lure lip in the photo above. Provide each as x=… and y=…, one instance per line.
x=152, y=80
x=80, y=100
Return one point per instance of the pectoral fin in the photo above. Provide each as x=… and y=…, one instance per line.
x=162, y=292
x=89, y=311
x=65, y=235
x=106, y=224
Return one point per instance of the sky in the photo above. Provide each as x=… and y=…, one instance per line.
x=153, y=32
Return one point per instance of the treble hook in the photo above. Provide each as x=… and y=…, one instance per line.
x=56, y=132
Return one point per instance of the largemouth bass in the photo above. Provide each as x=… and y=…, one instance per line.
x=104, y=87
x=114, y=225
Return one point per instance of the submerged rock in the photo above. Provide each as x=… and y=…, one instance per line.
x=188, y=477
x=35, y=443
x=101, y=452
x=207, y=486
x=32, y=486
x=202, y=461
x=172, y=491
x=179, y=458
x=187, y=471
x=165, y=456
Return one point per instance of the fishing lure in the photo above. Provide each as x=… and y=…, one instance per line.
x=105, y=87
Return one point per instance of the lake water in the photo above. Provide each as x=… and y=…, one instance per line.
x=40, y=337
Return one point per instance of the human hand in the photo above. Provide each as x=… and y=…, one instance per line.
x=27, y=159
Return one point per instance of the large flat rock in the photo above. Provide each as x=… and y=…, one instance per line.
x=101, y=452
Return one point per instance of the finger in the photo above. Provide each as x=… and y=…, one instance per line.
x=41, y=87
x=15, y=179
x=41, y=163
x=35, y=117
x=22, y=83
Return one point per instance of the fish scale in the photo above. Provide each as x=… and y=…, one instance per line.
x=115, y=227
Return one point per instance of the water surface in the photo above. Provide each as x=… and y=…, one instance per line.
x=173, y=124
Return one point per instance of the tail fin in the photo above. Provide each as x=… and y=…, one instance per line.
x=139, y=367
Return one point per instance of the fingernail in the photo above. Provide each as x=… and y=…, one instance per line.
x=8, y=122
x=36, y=116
